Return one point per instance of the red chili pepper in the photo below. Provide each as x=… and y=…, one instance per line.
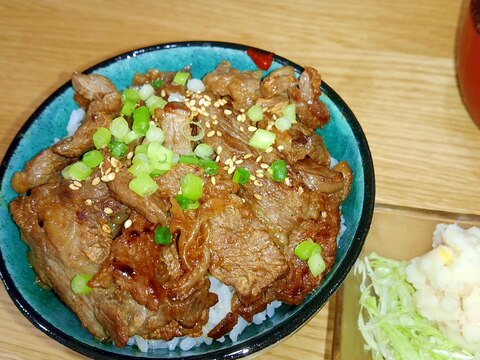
x=262, y=59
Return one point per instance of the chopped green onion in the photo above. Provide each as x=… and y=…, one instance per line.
x=130, y=94
x=209, y=166
x=181, y=78
x=162, y=235
x=79, y=284
x=155, y=134
x=140, y=168
x=101, y=137
x=188, y=159
x=279, y=170
x=306, y=248
x=164, y=166
x=191, y=186
x=316, y=264
x=77, y=171
x=117, y=149
x=289, y=112
x=255, y=113
x=203, y=150
x=157, y=83
x=157, y=172
x=241, y=176
x=143, y=185
x=141, y=120
x=119, y=128
x=128, y=107
x=186, y=204
x=92, y=158
x=155, y=102
x=141, y=149
x=146, y=91
x=159, y=153
x=262, y=139
x=283, y=124
x=140, y=157
x=131, y=136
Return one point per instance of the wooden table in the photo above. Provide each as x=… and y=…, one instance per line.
x=392, y=62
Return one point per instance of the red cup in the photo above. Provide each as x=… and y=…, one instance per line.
x=468, y=59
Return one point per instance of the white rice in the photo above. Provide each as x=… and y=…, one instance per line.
x=215, y=315
x=76, y=118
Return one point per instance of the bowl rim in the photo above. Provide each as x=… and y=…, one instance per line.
x=262, y=341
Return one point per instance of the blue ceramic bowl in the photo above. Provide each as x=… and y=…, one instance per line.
x=343, y=137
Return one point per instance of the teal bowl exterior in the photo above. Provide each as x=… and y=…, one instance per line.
x=344, y=139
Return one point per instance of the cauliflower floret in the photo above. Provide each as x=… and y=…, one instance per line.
x=447, y=283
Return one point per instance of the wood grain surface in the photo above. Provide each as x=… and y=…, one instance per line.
x=391, y=61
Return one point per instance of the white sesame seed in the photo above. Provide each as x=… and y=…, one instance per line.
x=130, y=155
x=247, y=156
x=257, y=196
x=243, y=200
x=239, y=161
x=104, y=178
x=213, y=180
x=287, y=182
x=108, y=171
x=216, y=104
x=253, y=178
x=111, y=176
x=269, y=149
x=207, y=103
x=106, y=228
x=269, y=127
x=300, y=190
x=96, y=181
x=252, y=128
x=211, y=133
x=207, y=125
x=114, y=162
x=324, y=214
x=234, y=158
x=192, y=102
x=217, y=159
x=280, y=147
x=201, y=102
x=163, y=93
x=214, y=117
x=260, y=175
x=73, y=187
x=257, y=183
x=264, y=166
x=219, y=133
x=108, y=211
x=77, y=183
x=88, y=202
x=258, y=159
x=214, y=121
x=117, y=170
x=219, y=150
x=231, y=169
x=127, y=224
x=239, y=117
x=242, y=129
x=227, y=112
x=242, y=110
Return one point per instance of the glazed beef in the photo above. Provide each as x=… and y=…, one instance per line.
x=244, y=234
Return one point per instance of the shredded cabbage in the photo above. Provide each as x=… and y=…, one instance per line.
x=388, y=319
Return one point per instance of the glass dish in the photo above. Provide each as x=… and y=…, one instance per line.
x=398, y=233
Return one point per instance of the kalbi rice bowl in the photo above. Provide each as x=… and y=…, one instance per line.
x=190, y=203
